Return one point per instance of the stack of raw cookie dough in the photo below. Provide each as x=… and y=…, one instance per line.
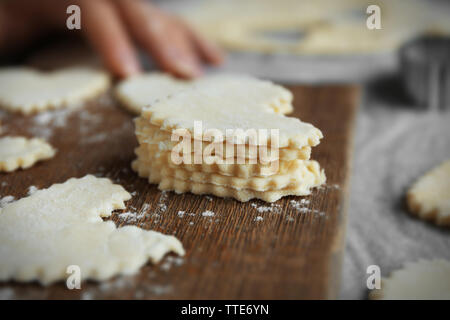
x=229, y=167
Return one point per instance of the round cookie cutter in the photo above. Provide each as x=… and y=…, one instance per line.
x=425, y=67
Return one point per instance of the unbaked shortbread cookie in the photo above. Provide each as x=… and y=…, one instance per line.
x=231, y=105
x=41, y=235
x=20, y=152
x=243, y=195
x=238, y=167
x=422, y=280
x=429, y=197
x=26, y=90
x=226, y=135
x=307, y=173
x=144, y=90
x=152, y=136
x=269, y=97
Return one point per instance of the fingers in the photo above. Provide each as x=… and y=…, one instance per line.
x=107, y=34
x=209, y=52
x=162, y=37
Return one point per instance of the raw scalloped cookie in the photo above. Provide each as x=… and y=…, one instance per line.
x=305, y=172
x=144, y=90
x=20, y=152
x=233, y=168
x=298, y=183
x=27, y=91
x=243, y=195
x=429, y=197
x=41, y=235
x=422, y=280
x=152, y=135
x=229, y=104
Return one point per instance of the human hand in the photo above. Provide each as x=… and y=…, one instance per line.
x=113, y=27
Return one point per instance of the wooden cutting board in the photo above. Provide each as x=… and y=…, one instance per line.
x=293, y=253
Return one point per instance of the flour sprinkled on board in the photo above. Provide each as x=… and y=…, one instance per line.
x=130, y=216
x=259, y=218
x=145, y=207
x=31, y=190
x=6, y=200
x=170, y=261
x=159, y=290
x=44, y=123
x=96, y=138
x=104, y=289
x=300, y=205
x=208, y=213
x=90, y=122
x=162, y=206
x=91, y=136
x=153, y=290
x=56, y=118
x=133, y=216
x=273, y=207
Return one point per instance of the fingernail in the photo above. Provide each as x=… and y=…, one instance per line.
x=188, y=69
x=130, y=68
x=129, y=65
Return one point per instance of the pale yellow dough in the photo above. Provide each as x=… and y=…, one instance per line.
x=429, y=196
x=20, y=152
x=228, y=104
x=41, y=235
x=223, y=103
x=144, y=90
x=422, y=280
x=243, y=195
x=152, y=136
x=237, y=167
x=306, y=173
x=27, y=90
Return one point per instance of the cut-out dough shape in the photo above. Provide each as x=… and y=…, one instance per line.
x=41, y=235
x=20, y=152
x=153, y=136
x=144, y=90
x=422, y=280
x=231, y=103
x=27, y=91
x=305, y=172
x=429, y=197
x=238, y=167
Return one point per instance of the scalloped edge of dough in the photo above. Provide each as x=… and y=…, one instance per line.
x=42, y=151
x=99, y=83
x=419, y=202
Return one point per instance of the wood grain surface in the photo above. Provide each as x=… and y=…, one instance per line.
x=290, y=254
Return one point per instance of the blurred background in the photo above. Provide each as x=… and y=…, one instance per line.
x=403, y=127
